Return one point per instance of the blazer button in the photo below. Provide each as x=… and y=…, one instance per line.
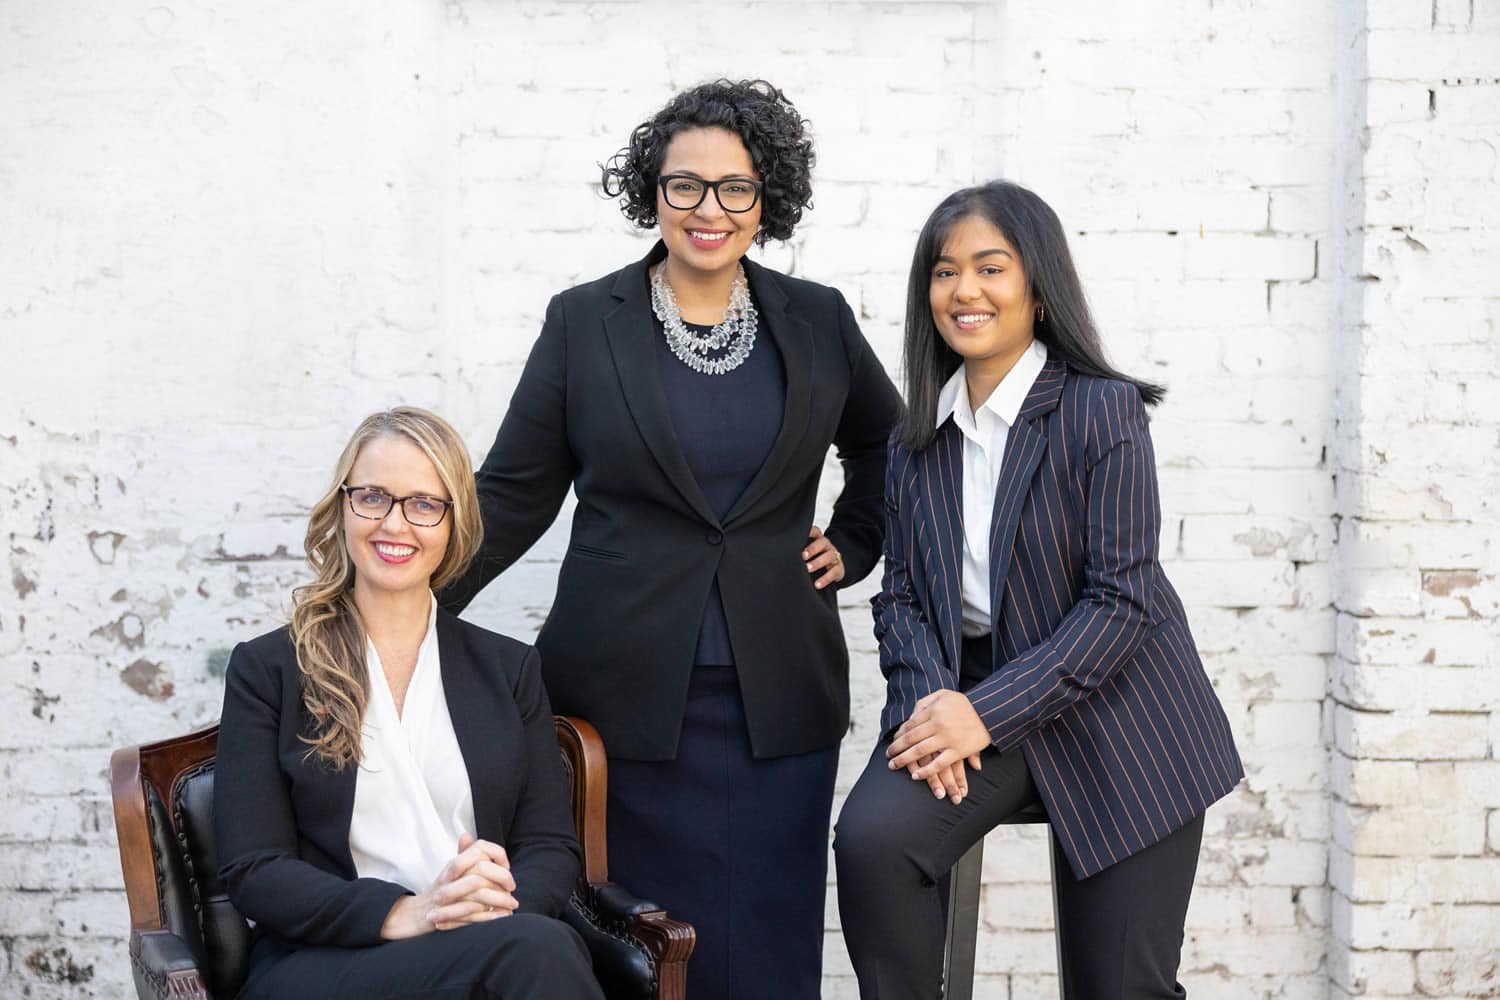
x=715, y=537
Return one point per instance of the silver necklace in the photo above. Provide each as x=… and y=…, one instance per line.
x=722, y=349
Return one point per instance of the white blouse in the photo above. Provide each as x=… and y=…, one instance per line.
x=412, y=798
x=985, y=433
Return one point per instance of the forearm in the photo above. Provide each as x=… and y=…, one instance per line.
x=1090, y=645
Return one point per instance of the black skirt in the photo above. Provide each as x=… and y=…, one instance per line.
x=736, y=846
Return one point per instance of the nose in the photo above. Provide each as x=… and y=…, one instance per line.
x=967, y=287
x=399, y=523
x=709, y=207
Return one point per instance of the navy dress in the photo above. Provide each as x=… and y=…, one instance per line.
x=734, y=845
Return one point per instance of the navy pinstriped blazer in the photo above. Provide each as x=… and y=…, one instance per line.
x=1096, y=677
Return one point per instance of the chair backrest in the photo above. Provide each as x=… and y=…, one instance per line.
x=588, y=774
x=163, y=798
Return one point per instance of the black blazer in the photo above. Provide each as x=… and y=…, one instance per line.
x=617, y=647
x=1096, y=677
x=282, y=820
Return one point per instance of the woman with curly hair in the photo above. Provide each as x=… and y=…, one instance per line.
x=390, y=806
x=690, y=400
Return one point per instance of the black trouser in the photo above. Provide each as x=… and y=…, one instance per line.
x=1120, y=931
x=520, y=957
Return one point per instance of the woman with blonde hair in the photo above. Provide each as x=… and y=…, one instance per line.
x=390, y=804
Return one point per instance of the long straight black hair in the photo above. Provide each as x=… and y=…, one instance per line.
x=1067, y=329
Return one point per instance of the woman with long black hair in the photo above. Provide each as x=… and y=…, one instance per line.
x=1032, y=646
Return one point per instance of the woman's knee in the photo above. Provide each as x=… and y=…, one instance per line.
x=869, y=832
x=530, y=948
x=547, y=938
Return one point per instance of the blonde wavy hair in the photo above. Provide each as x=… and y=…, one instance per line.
x=326, y=626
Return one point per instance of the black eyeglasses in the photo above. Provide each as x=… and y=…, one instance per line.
x=375, y=504
x=685, y=192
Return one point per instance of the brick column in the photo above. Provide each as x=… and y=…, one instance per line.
x=1415, y=787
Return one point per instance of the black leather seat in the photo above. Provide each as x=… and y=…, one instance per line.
x=187, y=941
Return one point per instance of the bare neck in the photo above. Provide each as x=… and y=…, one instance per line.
x=983, y=376
x=394, y=619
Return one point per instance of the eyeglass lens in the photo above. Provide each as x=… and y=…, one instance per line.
x=424, y=512
x=734, y=194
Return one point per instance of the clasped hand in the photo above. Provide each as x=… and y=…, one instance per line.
x=942, y=732
x=475, y=886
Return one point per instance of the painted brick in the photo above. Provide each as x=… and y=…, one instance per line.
x=247, y=287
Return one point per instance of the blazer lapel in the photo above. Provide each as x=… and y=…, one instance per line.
x=467, y=703
x=942, y=478
x=793, y=336
x=631, y=335
x=1024, y=447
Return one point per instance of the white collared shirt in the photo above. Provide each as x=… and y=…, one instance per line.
x=985, y=433
x=412, y=798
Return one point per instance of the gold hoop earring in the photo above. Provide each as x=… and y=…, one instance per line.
x=1041, y=312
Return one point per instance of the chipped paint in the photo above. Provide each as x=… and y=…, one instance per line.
x=58, y=966
x=216, y=661
x=42, y=702
x=149, y=679
x=104, y=545
x=1261, y=542
x=128, y=631
x=23, y=583
x=1441, y=583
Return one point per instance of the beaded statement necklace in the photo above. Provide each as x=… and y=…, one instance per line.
x=722, y=349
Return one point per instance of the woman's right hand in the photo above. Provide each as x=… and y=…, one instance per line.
x=473, y=887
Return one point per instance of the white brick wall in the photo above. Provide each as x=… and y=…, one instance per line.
x=230, y=231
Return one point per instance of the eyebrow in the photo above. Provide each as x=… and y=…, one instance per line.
x=698, y=176
x=977, y=256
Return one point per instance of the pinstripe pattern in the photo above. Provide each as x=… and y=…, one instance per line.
x=1097, y=677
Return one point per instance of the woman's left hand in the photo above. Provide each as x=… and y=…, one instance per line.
x=821, y=555
x=944, y=729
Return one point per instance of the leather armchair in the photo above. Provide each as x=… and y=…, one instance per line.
x=187, y=942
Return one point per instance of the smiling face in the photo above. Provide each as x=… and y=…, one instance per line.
x=707, y=239
x=390, y=555
x=980, y=300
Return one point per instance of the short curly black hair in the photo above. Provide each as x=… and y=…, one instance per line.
x=769, y=125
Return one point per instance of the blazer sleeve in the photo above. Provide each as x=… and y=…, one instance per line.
x=525, y=476
x=870, y=413
x=911, y=656
x=257, y=830
x=543, y=849
x=1122, y=524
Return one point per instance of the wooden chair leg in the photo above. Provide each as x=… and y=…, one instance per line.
x=963, y=924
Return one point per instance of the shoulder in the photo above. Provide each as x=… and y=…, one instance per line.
x=484, y=645
x=802, y=295
x=595, y=290
x=905, y=466
x=263, y=664
x=273, y=647
x=1105, y=410
x=601, y=292
x=1097, y=393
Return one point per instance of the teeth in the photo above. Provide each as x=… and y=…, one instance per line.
x=973, y=317
x=394, y=550
x=714, y=237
